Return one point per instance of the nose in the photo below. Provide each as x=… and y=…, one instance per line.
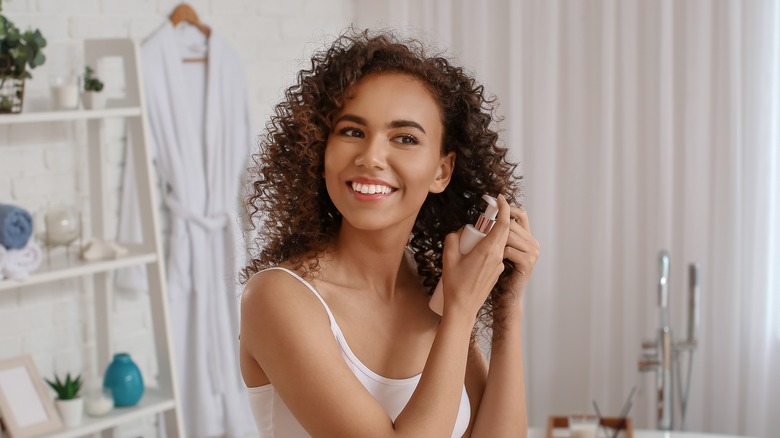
x=373, y=155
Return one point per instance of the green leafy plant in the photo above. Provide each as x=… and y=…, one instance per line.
x=67, y=390
x=91, y=82
x=19, y=51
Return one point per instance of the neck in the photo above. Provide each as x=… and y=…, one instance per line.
x=372, y=260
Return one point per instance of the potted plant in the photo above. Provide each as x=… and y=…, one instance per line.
x=20, y=52
x=92, y=96
x=69, y=402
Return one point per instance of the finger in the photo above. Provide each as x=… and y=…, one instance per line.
x=521, y=217
x=500, y=230
x=528, y=251
x=524, y=262
x=527, y=245
x=520, y=238
x=451, y=242
x=519, y=224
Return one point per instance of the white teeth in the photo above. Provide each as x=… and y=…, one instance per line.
x=370, y=189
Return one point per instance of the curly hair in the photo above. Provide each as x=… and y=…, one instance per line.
x=289, y=204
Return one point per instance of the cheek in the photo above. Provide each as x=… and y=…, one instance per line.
x=331, y=168
x=330, y=159
x=419, y=179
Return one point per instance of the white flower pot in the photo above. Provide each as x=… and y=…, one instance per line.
x=93, y=100
x=71, y=411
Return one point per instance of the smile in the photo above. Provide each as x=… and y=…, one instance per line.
x=371, y=189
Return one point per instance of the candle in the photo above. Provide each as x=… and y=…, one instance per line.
x=98, y=406
x=65, y=92
x=66, y=96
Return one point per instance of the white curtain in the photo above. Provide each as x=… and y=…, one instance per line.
x=639, y=126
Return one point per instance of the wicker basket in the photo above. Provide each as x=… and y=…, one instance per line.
x=11, y=95
x=11, y=87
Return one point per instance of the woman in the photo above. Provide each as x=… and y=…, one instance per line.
x=369, y=169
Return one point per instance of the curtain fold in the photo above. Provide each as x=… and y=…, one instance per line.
x=638, y=126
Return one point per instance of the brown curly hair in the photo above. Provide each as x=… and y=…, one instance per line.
x=289, y=204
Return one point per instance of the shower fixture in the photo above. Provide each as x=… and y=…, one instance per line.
x=663, y=356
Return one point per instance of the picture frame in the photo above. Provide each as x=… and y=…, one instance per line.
x=26, y=408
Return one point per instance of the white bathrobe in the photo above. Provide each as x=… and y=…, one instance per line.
x=201, y=140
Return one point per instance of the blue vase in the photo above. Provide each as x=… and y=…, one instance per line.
x=124, y=379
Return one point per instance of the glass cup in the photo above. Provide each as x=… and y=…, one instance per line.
x=63, y=226
x=583, y=426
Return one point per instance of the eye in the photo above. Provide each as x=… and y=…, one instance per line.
x=351, y=132
x=406, y=139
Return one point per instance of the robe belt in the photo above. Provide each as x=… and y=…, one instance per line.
x=210, y=223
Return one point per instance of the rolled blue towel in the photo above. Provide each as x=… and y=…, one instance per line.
x=16, y=226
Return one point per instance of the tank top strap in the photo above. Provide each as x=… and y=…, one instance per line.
x=312, y=289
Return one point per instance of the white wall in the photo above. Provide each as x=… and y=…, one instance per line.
x=43, y=165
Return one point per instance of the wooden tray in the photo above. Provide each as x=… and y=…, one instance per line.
x=562, y=422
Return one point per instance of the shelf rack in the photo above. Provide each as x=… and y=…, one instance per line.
x=161, y=400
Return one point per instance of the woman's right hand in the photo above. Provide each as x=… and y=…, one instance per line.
x=469, y=278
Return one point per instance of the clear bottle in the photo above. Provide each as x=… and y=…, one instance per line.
x=472, y=234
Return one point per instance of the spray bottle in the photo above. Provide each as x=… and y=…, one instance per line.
x=472, y=234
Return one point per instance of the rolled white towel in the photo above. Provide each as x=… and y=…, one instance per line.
x=19, y=263
x=2, y=261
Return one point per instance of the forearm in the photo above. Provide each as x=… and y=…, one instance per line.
x=502, y=411
x=433, y=408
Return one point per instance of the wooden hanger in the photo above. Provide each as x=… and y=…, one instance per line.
x=184, y=13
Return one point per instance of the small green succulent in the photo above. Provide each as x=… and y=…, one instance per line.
x=91, y=82
x=67, y=390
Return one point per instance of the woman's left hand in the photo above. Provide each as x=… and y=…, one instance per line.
x=522, y=249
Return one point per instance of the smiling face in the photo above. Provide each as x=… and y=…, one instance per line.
x=383, y=154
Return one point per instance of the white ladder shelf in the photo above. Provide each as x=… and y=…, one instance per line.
x=163, y=399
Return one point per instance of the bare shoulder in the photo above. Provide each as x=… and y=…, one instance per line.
x=286, y=340
x=274, y=289
x=275, y=303
x=272, y=284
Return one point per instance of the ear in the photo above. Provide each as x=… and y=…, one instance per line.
x=443, y=174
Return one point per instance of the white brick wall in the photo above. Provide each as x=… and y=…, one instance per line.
x=42, y=165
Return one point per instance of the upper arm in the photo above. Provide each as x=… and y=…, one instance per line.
x=286, y=329
x=476, y=379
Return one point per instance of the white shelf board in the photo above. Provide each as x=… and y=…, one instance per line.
x=67, y=115
x=62, y=266
x=154, y=401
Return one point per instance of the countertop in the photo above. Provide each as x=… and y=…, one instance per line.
x=539, y=432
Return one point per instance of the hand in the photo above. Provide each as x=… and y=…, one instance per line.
x=469, y=278
x=522, y=249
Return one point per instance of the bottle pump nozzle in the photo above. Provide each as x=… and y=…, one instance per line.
x=474, y=233
x=488, y=217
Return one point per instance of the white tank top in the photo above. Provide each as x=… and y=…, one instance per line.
x=274, y=419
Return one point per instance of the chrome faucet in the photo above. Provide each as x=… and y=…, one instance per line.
x=664, y=353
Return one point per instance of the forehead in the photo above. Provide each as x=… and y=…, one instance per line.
x=392, y=95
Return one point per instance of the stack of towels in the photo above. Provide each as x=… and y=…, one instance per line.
x=19, y=255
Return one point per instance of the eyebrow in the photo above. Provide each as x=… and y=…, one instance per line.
x=406, y=124
x=394, y=124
